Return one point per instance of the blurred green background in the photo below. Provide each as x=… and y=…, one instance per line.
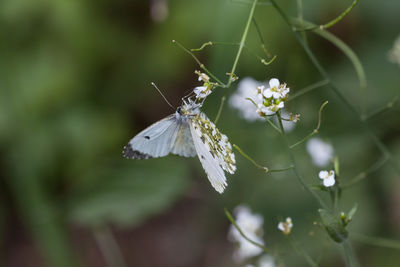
x=75, y=87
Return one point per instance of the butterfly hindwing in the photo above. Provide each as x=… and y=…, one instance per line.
x=183, y=145
x=213, y=149
x=155, y=141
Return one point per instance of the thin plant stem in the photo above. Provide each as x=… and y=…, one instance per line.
x=307, y=89
x=302, y=252
x=261, y=3
x=209, y=43
x=332, y=22
x=364, y=174
x=201, y=65
x=324, y=74
x=348, y=252
x=267, y=53
x=242, y=42
x=232, y=220
x=375, y=241
x=272, y=124
x=296, y=171
x=300, y=17
x=381, y=109
x=109, y=246
x=221, y=106
x=283, y=169
x=265, y=169
x=315, y=131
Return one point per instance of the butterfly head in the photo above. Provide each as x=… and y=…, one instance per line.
x=188, y=108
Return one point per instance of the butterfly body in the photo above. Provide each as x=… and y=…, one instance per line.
x=186, y=133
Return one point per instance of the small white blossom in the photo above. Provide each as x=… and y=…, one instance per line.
x=272, y=98
x=328, y=178
x=320, y=151
x=394, y=53
x=275, y=89
x=246, y=89
x=203, y=77
x=266, y=261
x=286, y=227
x=202, y=91
x=251, y=225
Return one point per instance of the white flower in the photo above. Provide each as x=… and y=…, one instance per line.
x=203, y=77
x=202, y=91
x=320, y=151
x=247, y=88
x=276, y=90
x=286, y=227
x=251, y=225
x=328, y=178
x=266, y=261
x=394, y=53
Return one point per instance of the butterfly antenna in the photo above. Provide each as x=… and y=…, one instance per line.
x=166, y=100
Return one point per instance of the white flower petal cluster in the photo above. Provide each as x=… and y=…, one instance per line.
x=394, y=53
x=251, y=225
x=202, y=91
x=320, y=151
x=271, y=98
x=246, y=89
x=328, y=178
x=286, y=227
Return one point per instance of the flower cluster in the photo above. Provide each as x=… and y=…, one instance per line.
x=272, y=98
x=328, y=178
x=286, y=227
x=251, y=224
x=204, y=90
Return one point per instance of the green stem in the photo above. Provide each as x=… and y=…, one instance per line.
x=381, y=109
x=201, y=65
x=376, y=241
x=315, y=131
x=282, y=169
x=348, y=251
x=242, y=42
x=308, y=89
x=340, y=17
x=296, y=171
x=250, y=159
x=364, y=174
x=109, y=246
x=232, y=220
x=221, y=106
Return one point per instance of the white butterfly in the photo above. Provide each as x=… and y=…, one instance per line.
x=186, y=133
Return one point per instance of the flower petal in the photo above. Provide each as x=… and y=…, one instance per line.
x=274, y=83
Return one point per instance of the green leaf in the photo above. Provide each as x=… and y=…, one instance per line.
x=333, y=226
x=129, y=193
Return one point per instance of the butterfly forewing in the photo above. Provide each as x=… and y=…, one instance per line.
x=214, y=151
x=155, y=141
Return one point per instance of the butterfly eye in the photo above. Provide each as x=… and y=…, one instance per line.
x=179, y=110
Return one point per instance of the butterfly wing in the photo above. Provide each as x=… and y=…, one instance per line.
x=214, y=151
x=155, y=141
x=183, y=145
